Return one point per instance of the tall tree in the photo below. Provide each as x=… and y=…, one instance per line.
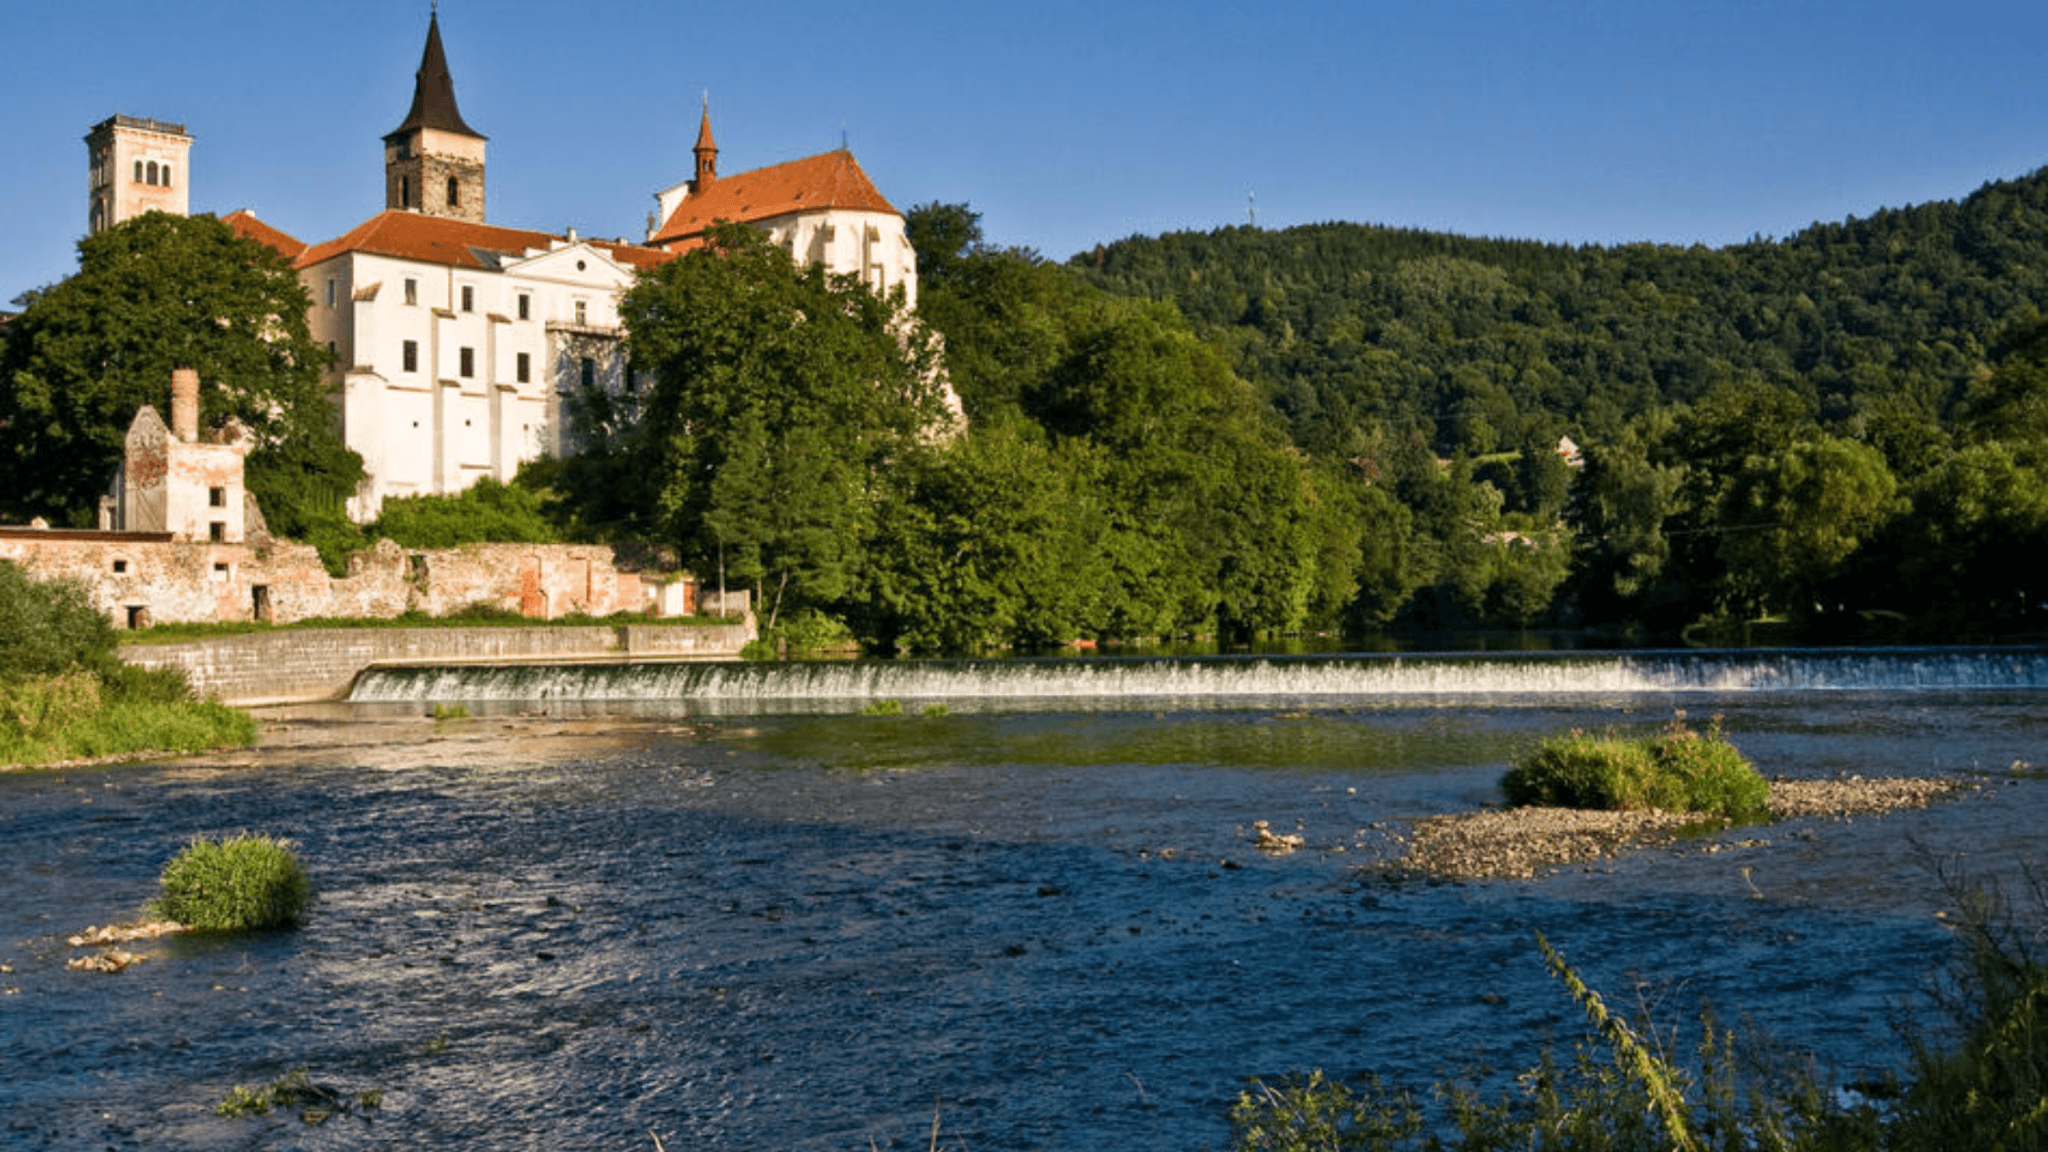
x=153, y=294
x=781, y=397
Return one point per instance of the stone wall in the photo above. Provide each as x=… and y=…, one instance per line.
x=141, y=578
x=322, y=664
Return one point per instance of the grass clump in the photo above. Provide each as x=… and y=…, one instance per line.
x=883, y=708
x=317, y=1103
x=1677, y=770
x=237, y=884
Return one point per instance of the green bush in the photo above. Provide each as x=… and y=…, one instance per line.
x=1678, y=770
x=48, y=627
x=237, y=884
x=39, y=707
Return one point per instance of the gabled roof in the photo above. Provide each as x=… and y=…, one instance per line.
x=247, y=226
x=814, y=184
x=458, y=243
x=433, y=91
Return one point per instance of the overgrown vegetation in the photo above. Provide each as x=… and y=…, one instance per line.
x=317, y=1103
x=237, y=884
x=65, y=695
x=1677, y=770
x=1626, y=1089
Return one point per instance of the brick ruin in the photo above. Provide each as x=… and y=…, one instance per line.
x=181, y=540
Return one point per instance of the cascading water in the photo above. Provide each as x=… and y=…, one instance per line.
x=1134, y=681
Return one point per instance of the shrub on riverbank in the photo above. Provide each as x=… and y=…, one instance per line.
x=1677, y=770
x=238, y=884
x=65, y=696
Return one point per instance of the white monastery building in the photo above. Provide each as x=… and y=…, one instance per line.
x=458, y=342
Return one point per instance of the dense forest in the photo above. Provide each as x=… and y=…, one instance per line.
x=1844, y=428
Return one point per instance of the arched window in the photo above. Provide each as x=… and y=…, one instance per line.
x=152, y=173
x=138, y=171
x=167, y=175
x=454, y=192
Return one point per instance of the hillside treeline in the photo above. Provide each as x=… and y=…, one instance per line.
x=1844, y=428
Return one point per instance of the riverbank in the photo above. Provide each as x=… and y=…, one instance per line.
x=1522, y=843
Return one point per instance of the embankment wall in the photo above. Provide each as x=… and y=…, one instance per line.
x=321, y=664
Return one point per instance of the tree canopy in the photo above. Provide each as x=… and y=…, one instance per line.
x=153, y=294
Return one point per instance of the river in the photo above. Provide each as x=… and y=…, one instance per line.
x=718, y=905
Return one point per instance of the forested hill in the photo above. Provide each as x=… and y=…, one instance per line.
x=1487, y=345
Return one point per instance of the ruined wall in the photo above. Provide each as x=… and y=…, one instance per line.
x=322, y=664
x=139, y=579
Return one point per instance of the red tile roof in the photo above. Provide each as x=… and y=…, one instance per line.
x=813, y=184
x=247, y=226
x=460, y=243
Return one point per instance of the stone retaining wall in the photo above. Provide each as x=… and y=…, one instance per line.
x=322, y=664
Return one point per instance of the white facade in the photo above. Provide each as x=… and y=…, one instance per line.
x=448, y=373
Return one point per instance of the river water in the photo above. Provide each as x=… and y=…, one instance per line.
x=752, y=918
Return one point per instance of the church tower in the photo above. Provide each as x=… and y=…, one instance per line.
x=136, y=165
x=434, y=163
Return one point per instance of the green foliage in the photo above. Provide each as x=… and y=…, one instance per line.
x=487, y=511
x=451, y=711
x=153, y=294
x=1316, y=1114
x=810, y=631
x=780, y=396
x=317, y=1103
x=1991, y=1089
x=1677, y=770
x=883, y=708
x=237, y=884
x=35, y=708
x=48, y=627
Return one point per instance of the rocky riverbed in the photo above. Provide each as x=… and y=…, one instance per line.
x=1520, y=843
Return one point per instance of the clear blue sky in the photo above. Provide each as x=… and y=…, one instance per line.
x=1064, y=122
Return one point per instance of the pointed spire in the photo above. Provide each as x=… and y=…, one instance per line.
x=433, y=93
x=706, y=149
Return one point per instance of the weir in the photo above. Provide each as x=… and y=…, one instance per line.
x=1113, y=681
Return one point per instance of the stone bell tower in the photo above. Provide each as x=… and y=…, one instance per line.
x=136, y=165
x=433, y=162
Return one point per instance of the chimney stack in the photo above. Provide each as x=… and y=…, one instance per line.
x=185, y=405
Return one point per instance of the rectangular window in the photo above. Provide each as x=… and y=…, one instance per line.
x=217, y=532
x=522, y=366
x=468, y=298
x=217, y=497
x=525, y=306
x=411, y=355
x=632, y=379
x=412, y=291
x=468, y=362
x=589, y=372
x=331, y=285
x=582, y=312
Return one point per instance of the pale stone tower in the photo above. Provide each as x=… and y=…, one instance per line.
x=137, y=165
x=434, y=163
